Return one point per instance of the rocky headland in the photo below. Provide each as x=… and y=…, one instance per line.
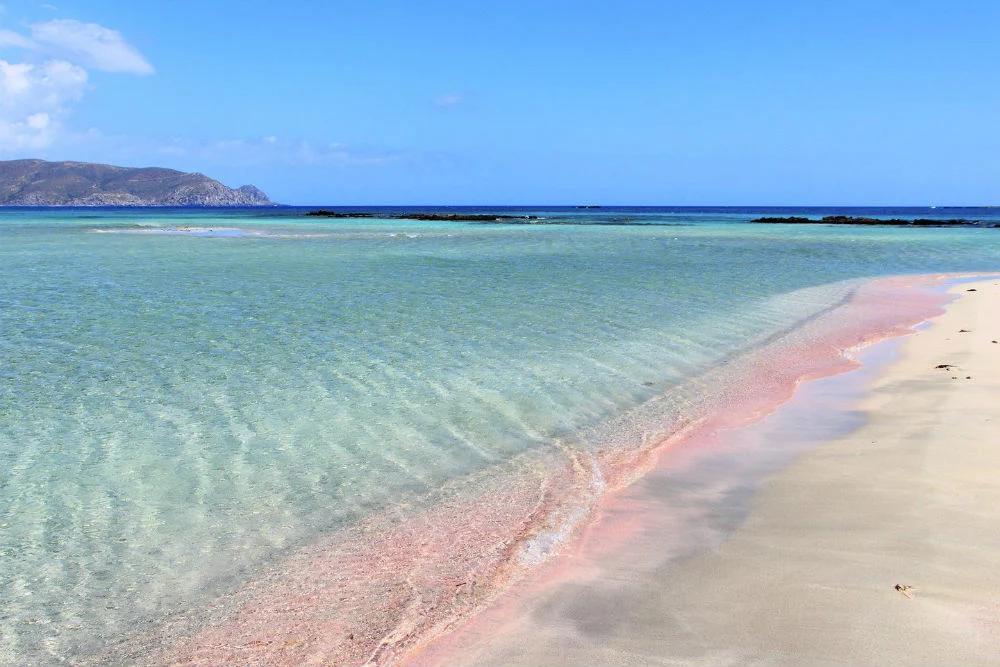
x=42, y=183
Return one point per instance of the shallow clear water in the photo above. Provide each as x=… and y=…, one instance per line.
x=184, y=396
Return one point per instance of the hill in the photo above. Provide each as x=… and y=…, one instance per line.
x=42, y=183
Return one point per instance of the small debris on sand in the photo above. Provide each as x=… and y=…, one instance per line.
x=944, y=366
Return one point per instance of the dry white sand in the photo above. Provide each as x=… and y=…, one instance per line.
x=912, y=498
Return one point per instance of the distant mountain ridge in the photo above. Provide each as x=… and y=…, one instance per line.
x=42, y=183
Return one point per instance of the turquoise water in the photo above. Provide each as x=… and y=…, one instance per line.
x=186, y=396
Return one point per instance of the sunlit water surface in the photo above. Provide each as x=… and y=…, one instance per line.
x=185, y=396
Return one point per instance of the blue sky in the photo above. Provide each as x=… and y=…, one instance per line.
x=447, y=102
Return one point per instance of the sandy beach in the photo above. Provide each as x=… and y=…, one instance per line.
x=878, y=546
x=811, y=515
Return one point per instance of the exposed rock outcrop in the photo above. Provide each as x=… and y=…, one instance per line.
x=443, y=217
x=881, y=222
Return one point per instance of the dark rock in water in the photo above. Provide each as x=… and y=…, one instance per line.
x=443, y=217
x=41, y=183
x=790, y=219
x=462, y=217
x=891, y=222
x=323, y=213
x=850, y=220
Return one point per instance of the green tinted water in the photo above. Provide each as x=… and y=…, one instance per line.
x=177, y=409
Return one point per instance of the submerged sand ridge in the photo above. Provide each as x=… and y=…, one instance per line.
x=878, y=547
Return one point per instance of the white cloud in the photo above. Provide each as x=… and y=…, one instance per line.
x=32, y=100
x=39, y=121
x=91, y=45
x=17, y=40
x=35, y=95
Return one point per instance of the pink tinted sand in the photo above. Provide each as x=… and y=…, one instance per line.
x=424, y=585
x=368, y=593
x=808, y=575
x=630, y=532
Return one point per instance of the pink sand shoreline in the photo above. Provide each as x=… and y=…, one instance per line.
x=620, y=520
x=380, y=593
x=638, y=530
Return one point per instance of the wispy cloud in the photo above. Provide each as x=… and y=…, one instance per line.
x=271, y=150
x=9, y=38
x=88, y=44
x=268, y=150
x=448, y=100
x=38, y=92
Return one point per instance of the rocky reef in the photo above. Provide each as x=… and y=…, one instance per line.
x=445, y=217
x=42, y=183
x=890, y=222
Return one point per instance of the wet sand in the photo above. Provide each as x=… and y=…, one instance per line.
x=692, y=566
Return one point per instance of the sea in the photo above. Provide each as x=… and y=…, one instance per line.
x=190, y=396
